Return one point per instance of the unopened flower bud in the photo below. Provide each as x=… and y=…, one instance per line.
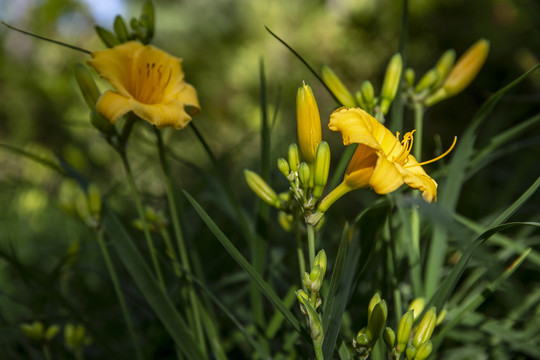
x=362, y=339
x=94, y=201
x=315, y=323
x=463, y=73
x=360, y=100
x=425, y=328
x=51, y=332
x=308, y=123
x=375, y=299
x=87, y=85
x=410, y=77
x=389, y=337
x=368, y=95
x=303, y=174
x=410, y=352
x=424, y=350
x=444, y=65
x=404, y=330
x=81, y=203
x=283, y=167
x=427, y=81
x=391, y=82
x=120, y=29
x=285, y=220
x=441, y=316
x=262, y=189
x=417, y=305
x=33, y=331
x=322, y=167
x=321, y=261
x=294, y=157
x=316, y=277
x=337, y=87
x=376, y=321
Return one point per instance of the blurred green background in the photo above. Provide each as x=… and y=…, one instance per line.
x=223, y=43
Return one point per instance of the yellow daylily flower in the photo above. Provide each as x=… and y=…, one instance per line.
x=147, y=81
x=382, y=161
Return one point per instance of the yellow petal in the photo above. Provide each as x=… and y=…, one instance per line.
x=417, y=178
x=386, y=177
x=355, y=125
x=361, y=166
x=114, y=65
x=161, y=115
x=112, y=105
x=188, y=96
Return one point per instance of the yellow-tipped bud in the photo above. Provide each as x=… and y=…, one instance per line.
x=322, y=167
x=404, y=331
x=424, y=350
x=303, y=174
x=294, y=157
x=375, y=299
x=376, y=322
x=425, y=328
x=308, y=123
x=262, y=189
x=410, y=76
x=87, y=85
x=417, y=305
x=463, y=73
x=427, y=81
x=389, y=337
x=444, y=65
x=283, y=167
x=410, y=352
x=391, y=82
x=321, y=261
x=337, y=87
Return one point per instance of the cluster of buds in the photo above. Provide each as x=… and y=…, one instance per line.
x=88, y=205
x=445, y=79
x=306, y=167
x=37, y=332
x=413, y=341
x=76, y=339
x=365, y=97
x=367, y=337
x=309, y=303
x=155, y=220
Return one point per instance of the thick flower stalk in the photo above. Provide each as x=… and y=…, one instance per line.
x=382, y=161
x=148, y=82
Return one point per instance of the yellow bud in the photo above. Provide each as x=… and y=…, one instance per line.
x=427, y=81
x=404, y=330
x=294, y=158
x=417, y=305
x=308, y=123
x=337, y=87
x=322, y=167
x=391, y=82
x=463, y=73
x=424, y=350
x=261, y=188
x=374, y=301
x=425, y=328
x=444, y=65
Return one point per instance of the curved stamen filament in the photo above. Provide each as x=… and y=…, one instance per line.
x=438, y=157
x=407, y=144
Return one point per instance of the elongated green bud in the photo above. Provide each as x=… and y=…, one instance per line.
x=51, y=332
x=425, y=328
x=81, y=203
x=404, y=331
x=410, y=77
x=417, y=305
x=102, y=124
x=283, y=167
x=303, y=174
x=376, y=322
x=444, y=65
x=321, y=261
x=424, y=350
x=322, y=167
x=463, y=73
x=389, y=337
x=316, y=278
x=308, y=123
x=33, y=331
x=337, y=87
x=94, y=201
x=368, y=95
x=427, y=81
x=391, y=82
x=360, y=100
x=375, y=299
x=314, y=320
x=120, y=29
x=86, y=83
x=107, y=37
x=262, y=189
x=148, y=18
x=294, y=157
x=441, y=316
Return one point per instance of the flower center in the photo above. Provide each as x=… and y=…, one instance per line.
x=403, y=157
x=150, y=83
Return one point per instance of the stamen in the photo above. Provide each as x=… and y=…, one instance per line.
x=438, y=157
x=407, y=144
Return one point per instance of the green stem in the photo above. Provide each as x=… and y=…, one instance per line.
x=414, y=259
x=180, y=239
x=142, y=217
x=300, y=252
x=311, y=243
x=171, y=251
x=46, y=352
x=118, y=290
x=317, y=345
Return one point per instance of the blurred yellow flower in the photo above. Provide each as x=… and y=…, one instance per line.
x=382, y=161
x=147, y=81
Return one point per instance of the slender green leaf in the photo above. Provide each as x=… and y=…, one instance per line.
x=148, y=285
x=517, y=204
x=264, y=287
x=46, y=162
